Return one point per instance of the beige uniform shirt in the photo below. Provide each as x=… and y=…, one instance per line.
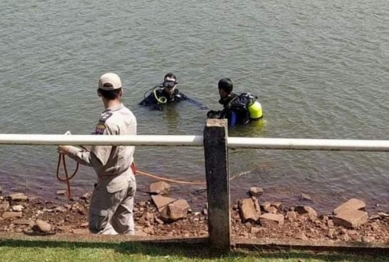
x=110, y=160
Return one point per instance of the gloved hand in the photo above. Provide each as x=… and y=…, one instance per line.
x=213, y=114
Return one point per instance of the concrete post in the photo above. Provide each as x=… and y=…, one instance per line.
x=218, y=184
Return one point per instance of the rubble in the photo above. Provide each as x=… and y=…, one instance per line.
x=164, y=216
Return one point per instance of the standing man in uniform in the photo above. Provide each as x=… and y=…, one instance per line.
x=111, y=207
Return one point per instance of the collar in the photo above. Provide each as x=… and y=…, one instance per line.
x=114, y=108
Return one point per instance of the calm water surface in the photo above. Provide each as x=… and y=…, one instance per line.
x=320, y=68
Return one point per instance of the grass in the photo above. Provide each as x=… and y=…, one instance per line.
x=33, y=250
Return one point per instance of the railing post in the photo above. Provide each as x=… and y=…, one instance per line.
x=218, y=184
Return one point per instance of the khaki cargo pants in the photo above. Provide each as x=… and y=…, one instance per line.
x=112, y=204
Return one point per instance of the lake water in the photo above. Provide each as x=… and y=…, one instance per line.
x=320, y=69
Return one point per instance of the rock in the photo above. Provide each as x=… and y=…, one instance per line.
x=17, y=208
x=367, y=239
x=42, y=226
x=306, y=210
x=354, y=235
x=18, y=197
x=205, y=212
x=374, y=217
x=86, y=196
x=182, y=203
x=277, y=205
x=65, y=228
x=255, y=230
x=173, y=213
x=331, y=233
x=255, y=191
x=158, y=221
x=61, y=192
x=149, y=230
x=270, y=220
x=383, y=214
x=301, y=236
x=291, y=215
x=352, y=204
x=140, y=233
x=4, y=206
x=23, y=222
x=203, y=232
x=145, y=218
x=249, y=209
x=159, y=188
x=7, y=215
x=351, y=218
x=85, y=224
x=271, y=210
x=80, y=231
x=161, y=202
x=305, y=197
x=1, y=190
x=345, y=237
x=60, y=209
x=142, y=220
x=265, y=205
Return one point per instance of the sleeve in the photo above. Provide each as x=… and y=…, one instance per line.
x=98, y=155
x=182, y=96
x=230, y=115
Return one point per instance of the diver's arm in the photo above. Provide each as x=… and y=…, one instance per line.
x=182, y=96
x=230, y=115
x=149, y=100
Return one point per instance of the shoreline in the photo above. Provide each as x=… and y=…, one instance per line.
x=251, y=218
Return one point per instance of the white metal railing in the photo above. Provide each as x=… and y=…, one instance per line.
x=197, y=141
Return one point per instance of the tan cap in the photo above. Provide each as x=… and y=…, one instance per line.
x=110, y=81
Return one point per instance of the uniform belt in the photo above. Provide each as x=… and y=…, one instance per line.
x=133, y=169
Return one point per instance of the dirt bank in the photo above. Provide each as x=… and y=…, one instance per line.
x=250, y=217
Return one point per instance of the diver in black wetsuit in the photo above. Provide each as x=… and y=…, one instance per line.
x=166, y=93
x=237, y=108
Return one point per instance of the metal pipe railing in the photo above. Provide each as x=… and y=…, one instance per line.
x=197, y=141
x=309, y=144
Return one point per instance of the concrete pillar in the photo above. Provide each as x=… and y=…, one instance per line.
x=218, y=184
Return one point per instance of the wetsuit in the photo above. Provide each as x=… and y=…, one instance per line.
x=159, y=97
x=236, y=109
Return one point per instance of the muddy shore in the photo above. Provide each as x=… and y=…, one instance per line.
x=159, y=215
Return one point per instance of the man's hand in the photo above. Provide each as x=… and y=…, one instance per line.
x=63, y=150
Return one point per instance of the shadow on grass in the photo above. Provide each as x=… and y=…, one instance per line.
x=195, y=250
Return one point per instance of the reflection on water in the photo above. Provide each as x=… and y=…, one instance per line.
x=253, y=129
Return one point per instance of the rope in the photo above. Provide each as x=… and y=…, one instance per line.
x=61, y=158
x=170, y=180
